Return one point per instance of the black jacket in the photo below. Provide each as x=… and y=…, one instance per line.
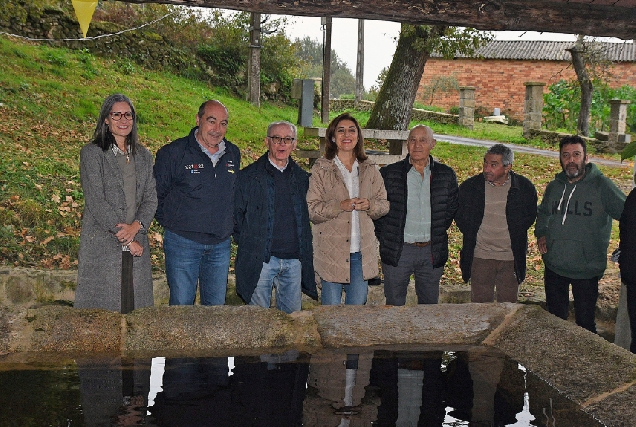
x=627, y=227
x=254, y=225
x=390, y=228
x=521, y=211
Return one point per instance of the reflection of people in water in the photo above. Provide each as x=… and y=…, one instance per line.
x=270, y=391
x=417, y=388
x=196, y=390
x=411, y=388
x=336, y=390
x=113, y=388
x=260, y=391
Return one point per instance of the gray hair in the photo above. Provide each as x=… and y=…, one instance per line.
x=281, y=123
x=507, y=156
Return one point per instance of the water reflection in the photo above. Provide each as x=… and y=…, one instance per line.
x=381, y=387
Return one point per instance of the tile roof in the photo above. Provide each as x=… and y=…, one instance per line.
x=546, y=50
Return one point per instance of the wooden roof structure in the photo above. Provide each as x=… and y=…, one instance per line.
x=615, y=18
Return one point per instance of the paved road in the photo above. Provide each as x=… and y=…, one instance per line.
x=522, y=149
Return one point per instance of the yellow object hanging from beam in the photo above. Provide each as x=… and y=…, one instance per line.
x=84, y=11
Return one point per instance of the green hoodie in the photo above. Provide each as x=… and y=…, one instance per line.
x=576, y=219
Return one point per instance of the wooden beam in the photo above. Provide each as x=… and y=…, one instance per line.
x=615, y=18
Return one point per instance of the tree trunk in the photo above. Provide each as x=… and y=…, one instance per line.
x=578, y=62
x=393, y=107
x=254, y=62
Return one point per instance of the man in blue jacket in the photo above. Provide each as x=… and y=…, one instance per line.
x=195, y=187
x=574, y=222
x=271, y=226
x=496, y=209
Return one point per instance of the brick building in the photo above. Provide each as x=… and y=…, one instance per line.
x=499, y=69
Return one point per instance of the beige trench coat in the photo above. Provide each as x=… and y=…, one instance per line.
x=332, y=226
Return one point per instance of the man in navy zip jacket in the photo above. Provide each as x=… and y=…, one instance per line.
x=195, y=187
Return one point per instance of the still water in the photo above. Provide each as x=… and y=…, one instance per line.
x=371, y=387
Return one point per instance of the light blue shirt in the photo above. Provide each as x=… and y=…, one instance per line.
x=418, y=206
x=216, y=156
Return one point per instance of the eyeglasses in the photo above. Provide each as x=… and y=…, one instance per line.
x=282, y=140
x=117, y=116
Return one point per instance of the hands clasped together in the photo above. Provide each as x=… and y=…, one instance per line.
x=355, y=204
x=126, y=235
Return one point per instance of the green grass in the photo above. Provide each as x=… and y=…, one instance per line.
x=50, y=99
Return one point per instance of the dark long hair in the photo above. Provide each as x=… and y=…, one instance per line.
x=331, y=149
x=102, y=136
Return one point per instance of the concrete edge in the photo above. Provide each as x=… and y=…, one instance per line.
x=597, y=375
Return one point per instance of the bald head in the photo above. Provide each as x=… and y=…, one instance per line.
x=421, y=130
x=213, y=103
x=420, y=144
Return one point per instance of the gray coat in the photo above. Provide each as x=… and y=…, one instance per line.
x=99, y=275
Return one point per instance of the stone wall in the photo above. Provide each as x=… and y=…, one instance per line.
x=417, y=114
x=499, y=83
x=553, y=138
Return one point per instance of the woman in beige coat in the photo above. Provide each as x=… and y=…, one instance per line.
x=346, y=193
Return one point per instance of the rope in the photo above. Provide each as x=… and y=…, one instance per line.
x=91, y=38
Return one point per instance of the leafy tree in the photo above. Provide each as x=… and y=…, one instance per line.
x=372, y=95
x=392, y=109
x=440, y=84
x=226, y=53
x=590, y=65
x=342, y=81
x=562, y=105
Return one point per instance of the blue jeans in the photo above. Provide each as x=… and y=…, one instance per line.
x=285, y=276
x=188, y=261
x=356, y=291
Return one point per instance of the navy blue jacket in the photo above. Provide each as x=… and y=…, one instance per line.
x=390, y=228
x=521, y=211
x=194, y=196
x=254, y=225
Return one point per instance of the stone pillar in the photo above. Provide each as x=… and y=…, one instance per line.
x=467, y=106
x=533, y=107
x=618, y=117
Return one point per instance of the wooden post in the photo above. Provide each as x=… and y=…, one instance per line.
x=254, y=62
x=326, y=69
x=360, y=63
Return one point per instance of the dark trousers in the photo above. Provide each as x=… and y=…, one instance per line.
x=631, y=310
x=585, y=292
x=415, y=261
x=127, y=289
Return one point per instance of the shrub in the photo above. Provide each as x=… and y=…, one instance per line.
x=563, y=102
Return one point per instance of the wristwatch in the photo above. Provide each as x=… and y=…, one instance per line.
x=142, y=225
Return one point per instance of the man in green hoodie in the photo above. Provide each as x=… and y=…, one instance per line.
x=574, y=221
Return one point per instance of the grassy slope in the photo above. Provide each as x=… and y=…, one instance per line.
x=49, y=101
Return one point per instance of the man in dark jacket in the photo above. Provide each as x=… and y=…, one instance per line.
x=271, y=226
x=195, y=187
x=413, y=235
x=496, y=209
